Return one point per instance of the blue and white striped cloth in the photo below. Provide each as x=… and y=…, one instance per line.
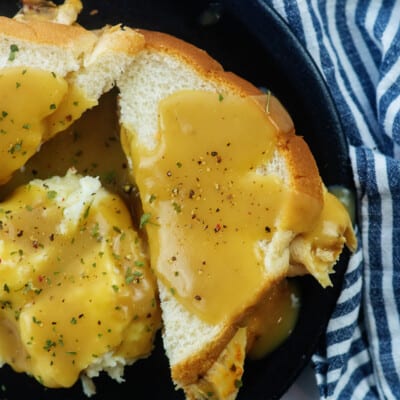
x=356, y=45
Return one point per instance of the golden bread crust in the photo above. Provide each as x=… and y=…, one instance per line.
x=295, y=150
x=47, y=33
x=180, y=49
x=304, y=169
x=224, y=375
x=123, y=39
x=193, y=368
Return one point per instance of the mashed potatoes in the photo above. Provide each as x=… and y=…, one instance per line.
x=77, y=295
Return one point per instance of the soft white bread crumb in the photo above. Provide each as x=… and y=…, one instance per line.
x=152, y=77
x=46, y=56
x=224, y=378
x=183, y=332
x=108, y=61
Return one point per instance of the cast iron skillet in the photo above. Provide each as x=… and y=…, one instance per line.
x=251, y=40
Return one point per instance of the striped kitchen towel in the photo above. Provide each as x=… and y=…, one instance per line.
x=356, y=45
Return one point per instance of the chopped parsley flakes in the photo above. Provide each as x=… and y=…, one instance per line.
x=13, y=51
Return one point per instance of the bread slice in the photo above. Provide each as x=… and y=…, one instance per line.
x=198, y=351
x=88, y=61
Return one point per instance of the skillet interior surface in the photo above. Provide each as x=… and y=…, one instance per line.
x=251, y=40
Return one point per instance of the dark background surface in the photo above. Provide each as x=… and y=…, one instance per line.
x=252, y=41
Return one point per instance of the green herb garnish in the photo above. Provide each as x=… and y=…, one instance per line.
x=13, y=51
x=51, y=194
x=144, y=219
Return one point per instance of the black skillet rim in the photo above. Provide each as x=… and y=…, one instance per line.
x=297, y=76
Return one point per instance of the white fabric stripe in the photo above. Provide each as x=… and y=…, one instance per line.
x=370, y=19
x=342, y=348
x=363, y=49
x=348, y=292
x=390, y=77
x=391, y=28
x=370, y=323
x=334, y=375
x=345, y=320
x=354, y=362
x=352, y=77
x=351, y=291
x=387, y=276
x=310, y=33
x=396, y=151
x=354, y=166
x=279, y=5
x=358, y=117
x=362, y=389
x=318, y=358
x=385, y=83
x=390, y=116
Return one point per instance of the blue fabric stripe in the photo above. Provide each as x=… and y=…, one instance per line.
x=396, y=129
x=338, y=360
x=329, y=72
x=341, y=334
x=348, y=306
x=372, y=394
x=392, y=53
x=387, y=6
x=354, y=57
x=361, y=14
x=362, y=170
x=293, y=17
x=380, y=140
x=375, y=288
x=355, y=378
x=352, y=277
x=341, y=362
x=393, y=91
x=393, y=172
